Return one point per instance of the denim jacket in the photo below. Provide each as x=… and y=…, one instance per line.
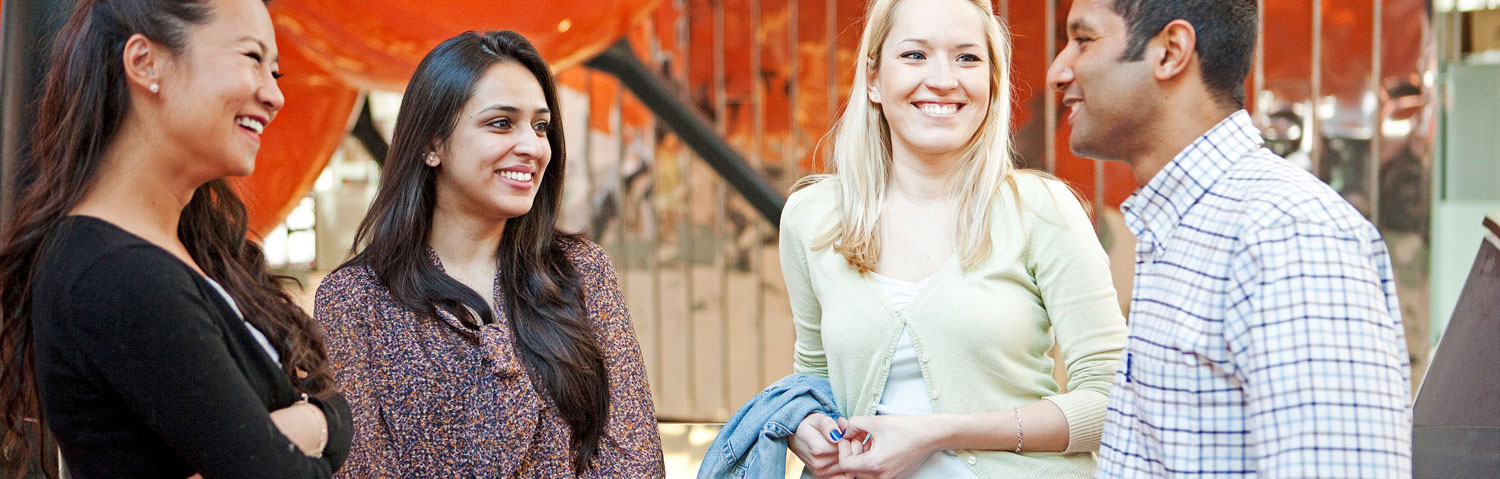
x=753, y=442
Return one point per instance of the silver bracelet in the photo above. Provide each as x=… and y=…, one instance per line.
x=1020, y=436
x=323, y=438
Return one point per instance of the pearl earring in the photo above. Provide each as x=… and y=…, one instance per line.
x=155, y=88
x=432, y=159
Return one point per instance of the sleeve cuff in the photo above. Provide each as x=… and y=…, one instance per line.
x=1084, y=411
x=340, y=429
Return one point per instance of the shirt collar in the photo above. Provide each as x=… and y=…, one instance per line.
x=1154, y=209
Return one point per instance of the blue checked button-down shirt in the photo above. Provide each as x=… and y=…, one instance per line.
x=1265, y=336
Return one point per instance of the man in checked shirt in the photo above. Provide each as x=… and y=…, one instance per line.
x=1265, y=336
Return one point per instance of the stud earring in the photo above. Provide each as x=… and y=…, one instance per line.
x=155, y=88
x=432, y=159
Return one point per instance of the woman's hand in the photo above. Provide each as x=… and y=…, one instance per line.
x=883, y=447
x=816, y=444
x=305, y=425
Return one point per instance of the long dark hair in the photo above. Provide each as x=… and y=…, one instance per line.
x=83, y=106
x=542, y=291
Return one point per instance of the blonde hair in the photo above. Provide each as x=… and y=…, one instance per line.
x=862, y=152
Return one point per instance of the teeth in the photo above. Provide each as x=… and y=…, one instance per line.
x=937, y=109
x=516, y=175
x=251, y=123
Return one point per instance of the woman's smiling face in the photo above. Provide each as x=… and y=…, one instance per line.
x=219, y=93
x=492, y=165
x=932, y=80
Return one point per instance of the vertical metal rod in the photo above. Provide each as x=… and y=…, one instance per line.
x=622, y=216
x=588, y=149
x=1316, y=130
x=721, y=197
x=1049, y=113
x=12, y=80
x=1259, y=85
x=1377, y=120
x=793, y=159
x=1449, y=51
x=790, y=157
x=1451, y=32
x=685, y=225
x=1440, y=30
x=831, y=21
x=757, y=145
x=653, y=233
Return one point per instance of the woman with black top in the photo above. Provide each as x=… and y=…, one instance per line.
x=141, y=329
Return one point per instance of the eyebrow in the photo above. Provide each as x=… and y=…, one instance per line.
x=262, y=45
x=924, y=42
x=1080, y=24
x=512, y=110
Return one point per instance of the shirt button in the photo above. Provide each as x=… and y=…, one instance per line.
x=973, y=460
x=934, y=396
x=923, y=358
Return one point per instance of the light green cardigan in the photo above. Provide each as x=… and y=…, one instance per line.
x=981, y=335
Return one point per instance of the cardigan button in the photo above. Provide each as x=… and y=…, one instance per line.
x=973, y=460
x=934, y=396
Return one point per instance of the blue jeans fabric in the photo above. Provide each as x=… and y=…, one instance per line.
x=753, y=442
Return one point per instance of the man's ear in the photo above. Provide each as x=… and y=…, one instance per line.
x=1175, y=48
x=144, y=62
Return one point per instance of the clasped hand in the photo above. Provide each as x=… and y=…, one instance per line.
x=868, y=447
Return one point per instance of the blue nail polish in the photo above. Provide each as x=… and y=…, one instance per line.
x=835, y=435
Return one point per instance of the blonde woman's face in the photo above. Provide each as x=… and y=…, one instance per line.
x=933, y=79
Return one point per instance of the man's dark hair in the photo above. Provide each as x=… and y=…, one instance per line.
x=1226, y=37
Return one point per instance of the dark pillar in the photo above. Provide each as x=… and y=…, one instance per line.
x=26, y=28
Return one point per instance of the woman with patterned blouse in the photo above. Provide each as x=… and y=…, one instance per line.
x=471, y=338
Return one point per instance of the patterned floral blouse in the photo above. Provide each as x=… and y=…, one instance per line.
x=429, y=401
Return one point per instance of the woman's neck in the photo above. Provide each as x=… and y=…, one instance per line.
x=465, y=243
x=137, y=189
x=920, y=178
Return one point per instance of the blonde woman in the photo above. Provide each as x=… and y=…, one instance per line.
x=929, y=278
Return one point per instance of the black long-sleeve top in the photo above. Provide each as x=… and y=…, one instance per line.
x=145, y=371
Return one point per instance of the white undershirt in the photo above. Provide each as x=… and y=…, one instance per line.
x=259, y=338
x=905, y=391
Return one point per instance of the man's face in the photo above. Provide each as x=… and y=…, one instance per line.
x=1109, y=101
